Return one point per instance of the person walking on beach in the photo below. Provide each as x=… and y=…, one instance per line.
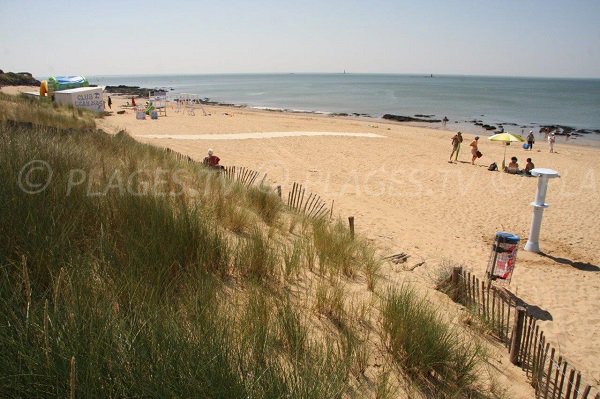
x=551, y=140
x=109, y=102
x=474, y=149
x=456, y=140
x=530, y=140
x=445, y=120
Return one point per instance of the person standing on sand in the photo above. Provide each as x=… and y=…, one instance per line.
x=474, y=149
x=530, y=140
x=109, y=102
x=445, y=120
x=551, y=140
x=456, y=140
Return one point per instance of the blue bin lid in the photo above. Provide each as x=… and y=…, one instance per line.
x=508, y=238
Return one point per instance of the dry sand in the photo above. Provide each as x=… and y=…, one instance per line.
x=406, y=196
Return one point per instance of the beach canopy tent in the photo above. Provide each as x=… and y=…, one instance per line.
x=59, y=83
x=506, y=138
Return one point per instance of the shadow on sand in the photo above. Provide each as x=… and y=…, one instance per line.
x=533, y=310
x=585, y=267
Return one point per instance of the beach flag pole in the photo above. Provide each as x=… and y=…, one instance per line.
x=539, y=205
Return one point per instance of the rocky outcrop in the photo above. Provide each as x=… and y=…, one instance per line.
x=587, y=131
x=17, y=79
x=562, y=130
x=128, y=90
x=400, y=118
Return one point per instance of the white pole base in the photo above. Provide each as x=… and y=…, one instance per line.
x=532, y=246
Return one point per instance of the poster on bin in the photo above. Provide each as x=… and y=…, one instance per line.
x=505, y=261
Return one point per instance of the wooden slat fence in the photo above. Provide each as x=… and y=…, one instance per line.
x=551, y=374
x=298, y=199
x=493, y=305
x=241, y=174
x=308, y=203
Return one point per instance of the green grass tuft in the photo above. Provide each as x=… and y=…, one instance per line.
x=438, y=358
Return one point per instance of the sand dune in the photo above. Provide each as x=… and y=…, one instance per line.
x=405, y=196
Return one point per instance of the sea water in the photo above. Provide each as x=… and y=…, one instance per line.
x=518, y=103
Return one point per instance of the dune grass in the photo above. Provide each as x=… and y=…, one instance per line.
x=116, y=282
x=135, y=275
x=42, y=112
x=435, y=355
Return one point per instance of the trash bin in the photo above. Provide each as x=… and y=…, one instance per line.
x=140, y=115
x=503, y=257
x=153, y=115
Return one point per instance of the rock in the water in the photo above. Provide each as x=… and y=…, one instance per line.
x=400, y=118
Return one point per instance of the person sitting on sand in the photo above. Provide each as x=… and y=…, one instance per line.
x=528, y=167
x=513, y=166
x=456, y=140
x=212, y=161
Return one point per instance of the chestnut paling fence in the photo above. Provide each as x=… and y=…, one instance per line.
x=298, y=199
x=511, y=322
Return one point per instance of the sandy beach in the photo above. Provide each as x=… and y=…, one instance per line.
x=405, y=196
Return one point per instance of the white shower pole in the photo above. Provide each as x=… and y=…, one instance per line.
x=533, y=244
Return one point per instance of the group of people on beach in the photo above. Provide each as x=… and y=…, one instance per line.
x=457, y=140
x=513, y=166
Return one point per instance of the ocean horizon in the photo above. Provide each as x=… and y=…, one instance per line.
x=516, y=104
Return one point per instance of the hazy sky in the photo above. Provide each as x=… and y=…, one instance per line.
x=506, y=37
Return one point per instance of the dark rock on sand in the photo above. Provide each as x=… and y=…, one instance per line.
x=400, y=118
x=564, y=130
x=18, y=79
x=128, y=90
x=489, y=127
x=424, y=116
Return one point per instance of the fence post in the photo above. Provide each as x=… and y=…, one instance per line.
x=456, y=271
x=351, y=222
x=279, y=191
x=517, y=333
